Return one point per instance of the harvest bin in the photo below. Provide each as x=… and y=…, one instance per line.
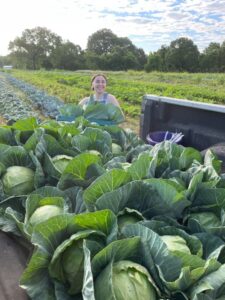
x=202, y=124
x=156, y=137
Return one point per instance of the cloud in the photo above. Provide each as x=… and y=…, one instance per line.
x=149, y=24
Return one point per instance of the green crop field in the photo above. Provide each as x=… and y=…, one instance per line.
x=130, y=87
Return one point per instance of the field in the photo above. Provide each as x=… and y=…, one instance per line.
x=130, y=87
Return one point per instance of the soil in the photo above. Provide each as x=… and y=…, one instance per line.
x=2, y=121
x=13, y=260
x=133, y=124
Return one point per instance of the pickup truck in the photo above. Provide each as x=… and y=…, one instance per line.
x=202, y=124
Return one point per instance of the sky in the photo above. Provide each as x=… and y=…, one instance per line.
x=149, y=24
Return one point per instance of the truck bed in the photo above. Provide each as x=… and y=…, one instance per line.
x=202, y=124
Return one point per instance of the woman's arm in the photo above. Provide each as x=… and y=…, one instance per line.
x=83, y=101
x=112, y=99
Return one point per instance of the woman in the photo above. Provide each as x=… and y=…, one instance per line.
x=98, y=85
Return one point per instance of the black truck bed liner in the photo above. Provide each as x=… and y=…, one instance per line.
x=202, y=124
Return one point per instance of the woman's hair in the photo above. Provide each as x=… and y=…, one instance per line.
x=96, y=75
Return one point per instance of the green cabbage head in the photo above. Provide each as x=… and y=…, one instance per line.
x=18, y=180
x=128, y=280
x=176, y=243
x=116, y=149
x=67, y=264
x=73, y=266
x=43, y=213
x=95, y=152
x=61, y=161
x=125, y=165
x=128, y=216
x=127, y=219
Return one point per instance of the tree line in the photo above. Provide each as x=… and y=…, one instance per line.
x=40, y=48
x=182, y=55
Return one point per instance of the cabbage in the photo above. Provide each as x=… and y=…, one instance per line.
x=73, y=266
x=128, y=280
x=95, y=152
x=176, y=243
x=67, y=264
x=127, y=219
x=45, y=212
x=116, y=149
x=207, y=220
x=128, y=216
x=18, y=180
x=125, y=165
x=61, y=161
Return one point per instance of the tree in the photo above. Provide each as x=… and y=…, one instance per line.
x=121, y=59
x=94, y=61
x=210, y=58
x=154, y=62
x=139, y=54
x=67, y=56
x=115, y=53
x=162, y=52
x=182, y=55
x=222, y=57
x=35, y=46
x=102, y=41
x=5, y=60
x=157, y=60
x=141, y=58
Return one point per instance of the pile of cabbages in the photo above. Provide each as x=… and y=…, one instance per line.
x=110, y=217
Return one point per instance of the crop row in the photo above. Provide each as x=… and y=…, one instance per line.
x=19, y=100
x=11, y=105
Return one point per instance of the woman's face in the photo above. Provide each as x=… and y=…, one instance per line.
x=99, y=84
